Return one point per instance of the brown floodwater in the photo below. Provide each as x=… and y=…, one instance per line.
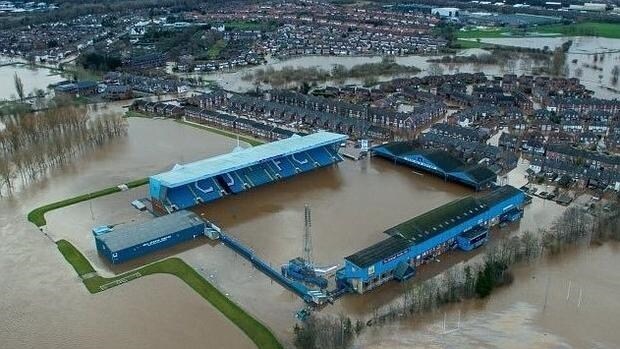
x=44, y=304
x=352, y=204
x=563, y=302
x=32, y=78
x=582, y=50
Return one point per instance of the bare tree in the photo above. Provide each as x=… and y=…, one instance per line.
x=19, y=87
x=6, y=173
x=32, y=143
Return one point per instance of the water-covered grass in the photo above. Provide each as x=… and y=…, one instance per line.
x=464, y=44
x=37, y=216
x=258, y=333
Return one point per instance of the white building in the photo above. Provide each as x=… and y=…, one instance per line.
x=446, y=12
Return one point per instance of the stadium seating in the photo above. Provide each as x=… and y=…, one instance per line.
x=321, y=155
x=301, y=161
x=237, y=181
x=283, y=167
x=181, y=196
x=207, y=190
x=270, y=171
x=233, y=182
x=197, y=198
x=257, y=175
x=207, y=180
x=334, y=154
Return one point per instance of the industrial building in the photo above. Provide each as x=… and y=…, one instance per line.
x=463, y=223
x=207, y=180
x=127, y=241
x=437, y=162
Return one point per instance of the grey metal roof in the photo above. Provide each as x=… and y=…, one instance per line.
x=210, y=167
x=132, y=234
x=379, y=251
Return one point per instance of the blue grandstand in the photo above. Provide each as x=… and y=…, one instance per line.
x=210, y=179
x=463, y=223
x=437, y=162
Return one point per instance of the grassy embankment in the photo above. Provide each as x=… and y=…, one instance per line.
x=258, y=333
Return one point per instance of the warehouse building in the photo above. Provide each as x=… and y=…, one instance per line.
x=127, y=241
x=463, y=223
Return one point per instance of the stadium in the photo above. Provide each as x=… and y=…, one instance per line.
x=175, y=194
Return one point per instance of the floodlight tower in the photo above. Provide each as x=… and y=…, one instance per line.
x=307, y=235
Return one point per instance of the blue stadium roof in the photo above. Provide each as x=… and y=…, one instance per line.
x=207, y=168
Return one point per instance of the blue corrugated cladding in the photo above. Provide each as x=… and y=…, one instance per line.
x=116, y=257
x=154, y=187
x=413, y=251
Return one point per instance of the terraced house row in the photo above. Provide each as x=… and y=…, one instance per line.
x=422, y=115
x=259, y=108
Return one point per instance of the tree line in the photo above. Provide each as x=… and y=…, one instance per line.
x=33, y=143
x=474, y=280
x=296, y=75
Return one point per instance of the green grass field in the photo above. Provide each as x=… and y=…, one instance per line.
x=258, y=333
x=214, y=51
x=463, y=44
x=483, y=33
x=605, y=30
